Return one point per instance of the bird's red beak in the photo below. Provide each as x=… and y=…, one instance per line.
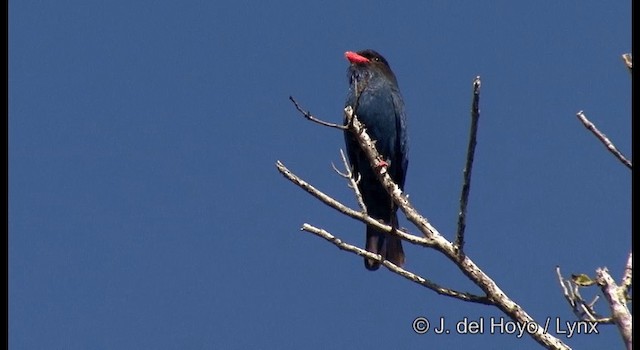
x=355, y=58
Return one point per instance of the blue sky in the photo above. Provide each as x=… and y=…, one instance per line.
x=145, y=210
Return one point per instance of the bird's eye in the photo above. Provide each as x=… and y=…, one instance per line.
x=377, y=59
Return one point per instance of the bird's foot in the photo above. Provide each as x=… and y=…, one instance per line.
x=382, y=164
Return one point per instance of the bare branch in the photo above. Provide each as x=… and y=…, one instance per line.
x=616, y=296
x=627, y=275
x=627, y=61
x=466, y=182
x=464, y=296
x=464, y=263
x=573, y=298
x=583, y=310
x=425, y=242
x=589, y=125
x=432, y=238
x=617, y=301
x=310, y=117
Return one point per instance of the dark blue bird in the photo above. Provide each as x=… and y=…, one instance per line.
x=374, y=94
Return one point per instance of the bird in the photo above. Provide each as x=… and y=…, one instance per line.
x=375, y=97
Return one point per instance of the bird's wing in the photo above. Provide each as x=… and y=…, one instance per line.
x=402, y=146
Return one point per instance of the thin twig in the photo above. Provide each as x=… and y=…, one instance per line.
x=594, y=301
x=465, y=296
x=607, y=143
x=466, y=182
x=354, y=179
x=565, y=290
x=310, y=117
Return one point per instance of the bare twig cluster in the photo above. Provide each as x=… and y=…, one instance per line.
x=430, y=238
x=581, y=308
x=617, y=296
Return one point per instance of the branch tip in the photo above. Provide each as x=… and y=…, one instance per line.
x=603, y=139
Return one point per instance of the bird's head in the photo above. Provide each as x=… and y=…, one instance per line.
x=365, y=57
x=368, y=65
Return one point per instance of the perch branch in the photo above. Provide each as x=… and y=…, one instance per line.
x=433, y=238
x=464, y=263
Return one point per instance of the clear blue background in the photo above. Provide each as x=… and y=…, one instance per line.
x=145, y=210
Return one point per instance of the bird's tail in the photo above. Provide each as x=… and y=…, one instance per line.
x=390, y=247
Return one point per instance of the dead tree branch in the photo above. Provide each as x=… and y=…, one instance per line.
x=432, y=238
x=626, y=276
x=616, y=297
x=310, y=117
x=464, y=296
x=466, y=182
x=360, y=216
x=581, y=308
x=605, y=141
x=627, y=61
